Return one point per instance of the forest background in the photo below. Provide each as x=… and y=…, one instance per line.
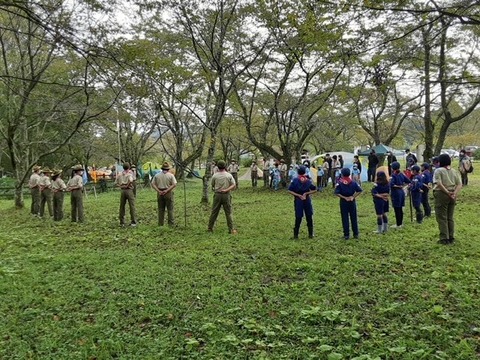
x=99, y=82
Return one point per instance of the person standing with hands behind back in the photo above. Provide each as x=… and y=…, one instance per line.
x=75, y=186
x=164, y=182
x=301, y=188
x=222, y=185
x=446, y=186
x=125, y=182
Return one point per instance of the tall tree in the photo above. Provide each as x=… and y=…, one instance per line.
x=47, y=93
x=296, y=78
x=221, y=45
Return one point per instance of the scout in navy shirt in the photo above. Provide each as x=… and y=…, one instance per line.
x=301, y=188
x=347, y=190
x=381, y=193
x=397, y=182
x=416, y=191
x=427, y=180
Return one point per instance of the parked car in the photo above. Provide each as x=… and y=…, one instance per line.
x=451, y=152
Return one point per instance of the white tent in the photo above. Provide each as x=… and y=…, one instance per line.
x=347, y=161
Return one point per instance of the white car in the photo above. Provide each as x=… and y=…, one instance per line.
x=451, y=152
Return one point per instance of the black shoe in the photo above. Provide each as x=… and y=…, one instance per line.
x=346, y=238
x=451, y=240
x=355, y=236
x=443, y=241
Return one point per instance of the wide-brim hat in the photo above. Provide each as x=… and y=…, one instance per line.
x=56, y=172
x=166, y=166
x=77, y=167
x=36, y=168
x=46, y=170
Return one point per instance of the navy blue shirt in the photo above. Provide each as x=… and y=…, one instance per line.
x=347, y=187
x=417, y=183
x=301, y=185
x=380, y=189
x=427, y=178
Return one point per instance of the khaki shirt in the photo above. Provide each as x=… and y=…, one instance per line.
x=254, y=168
x=222, y=180
x=45, y=182
x=58, y=185
x=449, y=178
x=75, y=182
x=163, y=180
x=125, y=180
x=34, y=181
x=233, y=168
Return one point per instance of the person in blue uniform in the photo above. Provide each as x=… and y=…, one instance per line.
x=348, y=190
x=381, y=193
x=427, y=180
x=301, y=188
x=397, y=182
x=416, y=191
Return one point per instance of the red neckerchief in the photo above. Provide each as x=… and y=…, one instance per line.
x=346, y=180
x=302, y=178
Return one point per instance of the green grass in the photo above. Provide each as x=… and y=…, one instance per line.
x=97, y=291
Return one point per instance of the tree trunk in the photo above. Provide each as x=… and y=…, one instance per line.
x=427, y=117
x=208, y=175
x=19, y=201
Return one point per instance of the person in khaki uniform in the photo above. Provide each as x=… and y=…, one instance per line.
x=164, y=182
x=75, y=186
x=33, y=184
x=58, y=189
x=254, y=173
x=45, y=192
x=233, y=169
x=125, y=181
x=222, y=184
x=446, y=186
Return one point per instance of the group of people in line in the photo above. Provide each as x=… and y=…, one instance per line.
x=48, y=188
x=415, y=180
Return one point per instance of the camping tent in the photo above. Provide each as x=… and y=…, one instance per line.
x=380, y=149
x=347, y=161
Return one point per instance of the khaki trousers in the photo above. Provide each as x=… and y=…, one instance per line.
x=46, y=198
x=444, y=210
x=127, y=195
x=58, y=205
x=35, y=208
x=165, y=202
x=221, y=200
x=76, y=200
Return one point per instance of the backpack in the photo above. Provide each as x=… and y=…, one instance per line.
x=469, y=169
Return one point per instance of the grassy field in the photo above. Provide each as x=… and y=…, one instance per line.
x=98, y=291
